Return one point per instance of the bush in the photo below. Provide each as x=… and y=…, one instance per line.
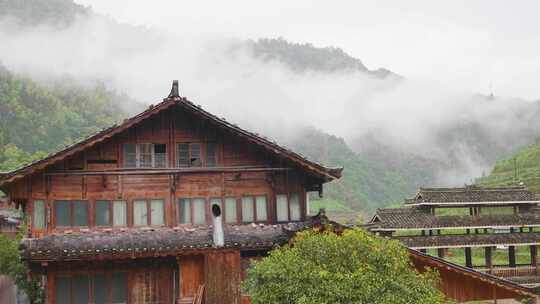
x=355, y=267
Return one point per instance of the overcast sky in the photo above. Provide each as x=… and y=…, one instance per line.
x=461, y=44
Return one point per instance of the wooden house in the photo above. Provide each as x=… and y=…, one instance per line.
x=169, y=206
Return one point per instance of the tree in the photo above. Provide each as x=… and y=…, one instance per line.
x=354, y=267
x=12, y=266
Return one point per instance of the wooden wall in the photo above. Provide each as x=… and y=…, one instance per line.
x=169, y=127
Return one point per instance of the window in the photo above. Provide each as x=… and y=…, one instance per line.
x=247, y=209
x=191, y=211
x=102, y=288
x=145, y=155
x=211, y=154
x=230, y=210
x=148, y=213
x=111, y=213
x=71, y=213
x=39, y=214
x=254, y=209
x=189, y=155
x=288, y=208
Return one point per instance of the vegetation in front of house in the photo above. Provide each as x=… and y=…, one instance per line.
x=356, y=267
x=12, y=266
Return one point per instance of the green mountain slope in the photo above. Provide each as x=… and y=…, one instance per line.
x=365, y=185
x=523, y=167
x=35, y=118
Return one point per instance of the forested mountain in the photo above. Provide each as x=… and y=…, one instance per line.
x=37, y=119
x=306, y=57
x=521, y=168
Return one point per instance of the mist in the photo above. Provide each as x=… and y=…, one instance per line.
x=222, y=75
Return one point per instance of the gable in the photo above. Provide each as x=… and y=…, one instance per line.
x=190, y=123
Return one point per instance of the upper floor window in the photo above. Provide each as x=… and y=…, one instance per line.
x=145, y=155
x=38, y=214
x=191, y=211
x=71, y=213
x=211, y=154
x=148, y=213
x=288, y=207
x=254, y=209
x=189, y=155
x=111, y=213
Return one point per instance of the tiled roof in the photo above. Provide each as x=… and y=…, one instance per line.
x=131, y=243
x=412, y=218
x=472, y=194
x=472, y=240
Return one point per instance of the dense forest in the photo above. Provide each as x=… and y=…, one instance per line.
x=36, y=119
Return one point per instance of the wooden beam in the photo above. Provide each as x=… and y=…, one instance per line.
x=468, y=257
x=441, y=252
x=166, y=171
x=534, y=257
x=512, y=256
x=489, y=259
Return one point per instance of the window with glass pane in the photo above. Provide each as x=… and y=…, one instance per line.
x=160, y=156
x=119, y=214
x=130, y=156
x=294, y=206
x=140, y=213
x=62, y=212
x=195, y=155
x=145, y=155
x=157, y=213
x=63, y=290
x=80, y=285
x=119, y=288
x=38, y=216
x=184, y=211
x=103, y=213
x=182, y=154
x=100, y=289
x=199, y=211
x=260, y=205
x=211, y=154
x=247, y=209
x=282, y=208
x=230, y=210
x=80, y=213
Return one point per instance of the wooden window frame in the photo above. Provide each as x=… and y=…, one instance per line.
x=238, y=209
x=202, y=151
x=45, y=224
x=111, y=213
x=192, y=211
x=138, y=154
x=300, y=205
x=91, y=282
x=216, y=154
x=148, y=212
x=71, y=214
x=255, y=217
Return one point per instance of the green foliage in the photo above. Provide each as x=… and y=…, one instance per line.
x=356, y=267
x=12, y=266
x=523, y=167
x=36, y=118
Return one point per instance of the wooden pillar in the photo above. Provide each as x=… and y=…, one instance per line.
x=489, y=259
x=430, y=232
x=440, y=252
x=512, y=256
x=468, y=257
x=534, y=258
x=423, y=232
x=520, y=229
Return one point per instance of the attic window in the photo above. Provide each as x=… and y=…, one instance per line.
x=189, y=155
x=145, y=155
